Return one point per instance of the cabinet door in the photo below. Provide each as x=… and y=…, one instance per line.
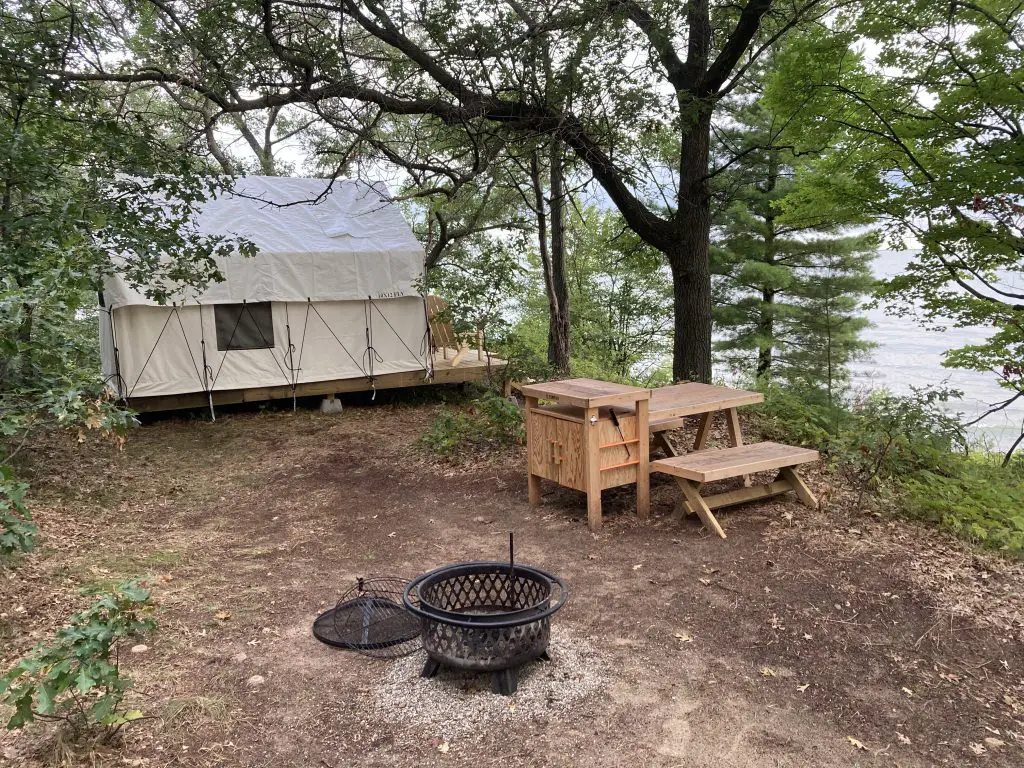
x=542, y=454
x=568, y=436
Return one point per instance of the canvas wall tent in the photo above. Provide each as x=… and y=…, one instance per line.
x=331, y=297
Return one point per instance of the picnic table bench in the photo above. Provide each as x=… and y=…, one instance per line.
x=693, y=469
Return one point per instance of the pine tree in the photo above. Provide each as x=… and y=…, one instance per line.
x=786, y=292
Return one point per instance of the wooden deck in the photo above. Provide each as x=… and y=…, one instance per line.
x=466, y=368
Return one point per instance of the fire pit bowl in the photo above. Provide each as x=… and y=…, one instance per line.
x=485, y=617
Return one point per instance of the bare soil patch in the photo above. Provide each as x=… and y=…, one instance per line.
x=807, y=638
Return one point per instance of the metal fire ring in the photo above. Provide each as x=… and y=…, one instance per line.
x=417, y=601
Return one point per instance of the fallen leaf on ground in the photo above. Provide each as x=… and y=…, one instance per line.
x=443, y=747
x=907, y=691
x=992, y=741
x=682, y=637
x=803, y=687
x=977, y=748
x=638, y=566
x=807, y=637
x=856, y=743
x=222, y=615
x=705, y=582
x=902, y=739
x=767, y=671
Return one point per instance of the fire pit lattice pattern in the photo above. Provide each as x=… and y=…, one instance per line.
x=484, y=593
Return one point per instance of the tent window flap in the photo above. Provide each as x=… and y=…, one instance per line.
x=244, y=326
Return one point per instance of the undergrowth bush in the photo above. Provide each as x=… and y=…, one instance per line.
x=489, y=420
x=17, y=531
x=76, y=678
x=915, y=454
x=980, y=501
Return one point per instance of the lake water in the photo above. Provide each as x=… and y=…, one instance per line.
x=911, y=356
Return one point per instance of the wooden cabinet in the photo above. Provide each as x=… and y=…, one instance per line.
x=589, y=436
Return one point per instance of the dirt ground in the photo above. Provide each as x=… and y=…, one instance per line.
x=808, y=638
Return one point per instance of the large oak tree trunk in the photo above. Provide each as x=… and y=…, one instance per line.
x=688, y=258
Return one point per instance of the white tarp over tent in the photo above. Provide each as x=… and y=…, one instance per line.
x=331, y=294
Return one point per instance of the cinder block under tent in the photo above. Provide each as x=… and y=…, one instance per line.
x=329, y=304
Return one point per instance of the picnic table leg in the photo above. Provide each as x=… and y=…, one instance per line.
x=703, y=430
x=799, y=487
x=697, y=504
x=592, y=467
x=736, y=436
x=643, y=469
x=663, y=442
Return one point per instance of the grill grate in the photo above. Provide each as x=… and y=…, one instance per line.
x=371, y=619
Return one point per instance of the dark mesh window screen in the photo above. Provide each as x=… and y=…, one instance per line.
x=244, y=326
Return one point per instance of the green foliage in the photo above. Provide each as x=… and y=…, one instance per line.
x=488, y=421
x=17, y=531
x=930, y=133
x=891, y=436
x=73, y=678
x=978, y=500
x=479, y=280
x=881, y=437
x=789, y=415
x=914, y=453
x=621, y=299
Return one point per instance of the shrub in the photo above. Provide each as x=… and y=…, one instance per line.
x=490, y=420
x=787, y=416
x=73, y=678
x=980, y=501
x=893, y=435
x=17, y=531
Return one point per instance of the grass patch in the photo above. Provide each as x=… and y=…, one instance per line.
x=190, y=713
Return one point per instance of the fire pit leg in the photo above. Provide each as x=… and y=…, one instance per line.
x=430, y=668
x=505, y=681
x=544, y=657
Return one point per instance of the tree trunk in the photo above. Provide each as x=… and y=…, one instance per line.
x=765, y=330
x=766, y=323
x=688, y=257
x=559, y=339
x=558, y=318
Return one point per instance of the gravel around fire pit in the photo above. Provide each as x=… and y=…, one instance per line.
x=455, y=703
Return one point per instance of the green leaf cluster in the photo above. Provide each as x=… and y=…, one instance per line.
x=980, y=501
x=74, y=677
x=17, y=531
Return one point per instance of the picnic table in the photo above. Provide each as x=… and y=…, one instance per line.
x=591, y=435
x=669, y=408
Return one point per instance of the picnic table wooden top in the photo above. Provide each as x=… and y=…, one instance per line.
x=586, y=393
x=693, y=399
